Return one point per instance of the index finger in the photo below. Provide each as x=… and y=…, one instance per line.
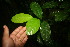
x=16, y=31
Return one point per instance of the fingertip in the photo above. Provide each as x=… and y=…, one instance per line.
x=26, y=38
x=4, y=26
x=20, y=26
x=17, y=29
x=6, y=31
x=24, y=28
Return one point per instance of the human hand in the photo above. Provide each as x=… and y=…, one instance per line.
x=19, y=36
x=16, y=39
x=6, y=40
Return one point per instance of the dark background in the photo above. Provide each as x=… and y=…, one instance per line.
x=12, y=7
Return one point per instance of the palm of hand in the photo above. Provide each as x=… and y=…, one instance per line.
x=19, y=36
x=8, y=42
x=16, y=39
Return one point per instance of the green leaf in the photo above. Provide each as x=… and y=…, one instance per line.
x=45, y=31
x=32, y=26
x=35, y=7
x=51, y=4
x=60, y=15
x=21, y=18
x=39, y=38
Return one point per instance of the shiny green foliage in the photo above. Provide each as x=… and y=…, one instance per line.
x=39, y=38
x=21, y=18
x=45, y=31
x=51, y=4
x=35, y=7
x=59, y=15
x=32, y=26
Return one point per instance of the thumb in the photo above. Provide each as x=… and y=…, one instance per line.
x=6, y=31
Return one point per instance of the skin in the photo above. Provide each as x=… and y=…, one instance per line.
x=17, y=38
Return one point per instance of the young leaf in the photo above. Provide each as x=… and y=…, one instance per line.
x=21, y=18
x=35, y=7
x=32, y=26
